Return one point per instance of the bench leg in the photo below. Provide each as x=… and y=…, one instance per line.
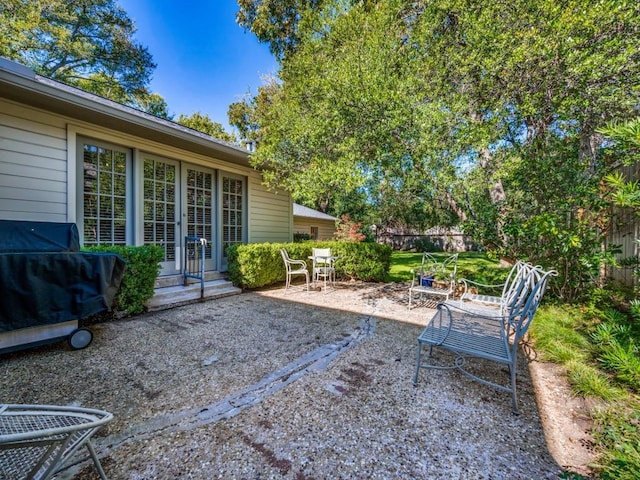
x=514, y=395
x=418, y=361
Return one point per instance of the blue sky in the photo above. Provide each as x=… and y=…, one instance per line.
x=205, y=61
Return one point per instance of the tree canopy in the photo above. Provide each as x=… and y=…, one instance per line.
x=85, y=43
x=438, y=112
x=202, y=123
x=276, y=22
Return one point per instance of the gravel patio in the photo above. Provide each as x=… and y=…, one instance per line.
x=268, y=385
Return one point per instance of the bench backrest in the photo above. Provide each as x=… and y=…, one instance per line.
x=511, y=284
x=525, y=299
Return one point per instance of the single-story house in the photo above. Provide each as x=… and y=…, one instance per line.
x=125, y=177
x=317, y=224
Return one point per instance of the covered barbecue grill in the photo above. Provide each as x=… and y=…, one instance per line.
x=47, y=284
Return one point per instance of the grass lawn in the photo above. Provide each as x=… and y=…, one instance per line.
x=472, y=265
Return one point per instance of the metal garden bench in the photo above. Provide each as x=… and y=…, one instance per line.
x=470, y=330
x=434, y=278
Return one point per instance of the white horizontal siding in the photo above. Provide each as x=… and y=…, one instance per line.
x=33, y=166
x=269, y=214
x=33, y=170
x=326, y=228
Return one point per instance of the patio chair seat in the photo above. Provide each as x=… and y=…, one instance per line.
x=37, y=440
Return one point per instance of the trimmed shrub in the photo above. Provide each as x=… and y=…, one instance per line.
x=260, y=264
x=143, y=266
x=301, y=237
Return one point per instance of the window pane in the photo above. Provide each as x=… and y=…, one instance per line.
x=104, y=195
x=232, y=211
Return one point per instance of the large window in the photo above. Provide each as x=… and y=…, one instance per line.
x=104, y=195
x=232, y=212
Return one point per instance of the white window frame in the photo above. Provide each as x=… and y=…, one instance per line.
x=80, y=178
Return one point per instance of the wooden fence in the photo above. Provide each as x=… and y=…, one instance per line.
x=624, y=230
x=446, y=242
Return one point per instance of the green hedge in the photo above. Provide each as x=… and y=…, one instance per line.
x=260, y=264
x=143, y=266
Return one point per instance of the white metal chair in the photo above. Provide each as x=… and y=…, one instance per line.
x=323, y=266
x=294, y=267
x=434, y=278
x=37, y=440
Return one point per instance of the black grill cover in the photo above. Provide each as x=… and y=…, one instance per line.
x=20, y=236
x=47, y=287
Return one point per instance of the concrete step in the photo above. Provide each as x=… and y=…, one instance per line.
x=174, y=280
x=173, y=296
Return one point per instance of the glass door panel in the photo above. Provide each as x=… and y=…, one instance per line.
x=199, y=208
x=233, y=213
x=160, y=215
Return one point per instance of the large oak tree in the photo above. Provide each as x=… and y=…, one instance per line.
x=86, y=43
x=455, y=111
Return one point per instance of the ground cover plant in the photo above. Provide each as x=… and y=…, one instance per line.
x=598, y=345
x=473, y=265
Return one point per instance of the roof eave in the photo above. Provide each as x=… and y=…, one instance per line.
x=20, y=84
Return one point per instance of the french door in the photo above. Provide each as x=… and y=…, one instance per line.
x=198, y=214
x=161, y=196
x=233, y=206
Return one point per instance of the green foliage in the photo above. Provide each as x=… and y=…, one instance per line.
x=554, y=333
x=451, y=111
x=140, y=275
x=617, y=431
x=202, y=123
x=369, y=262
x=598, y=348
x=275, y=22
x=623, y=359
x=617, y=348
x=625, y=134
x=587, y=380
x=260, y=264
x=301, y=237
x=85, y=43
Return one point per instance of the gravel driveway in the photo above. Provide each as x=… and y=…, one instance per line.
x=265, y=385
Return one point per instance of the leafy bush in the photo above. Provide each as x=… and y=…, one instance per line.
x=260, y=264
x=348, y=230
x=143, y=266
x=301, y=237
